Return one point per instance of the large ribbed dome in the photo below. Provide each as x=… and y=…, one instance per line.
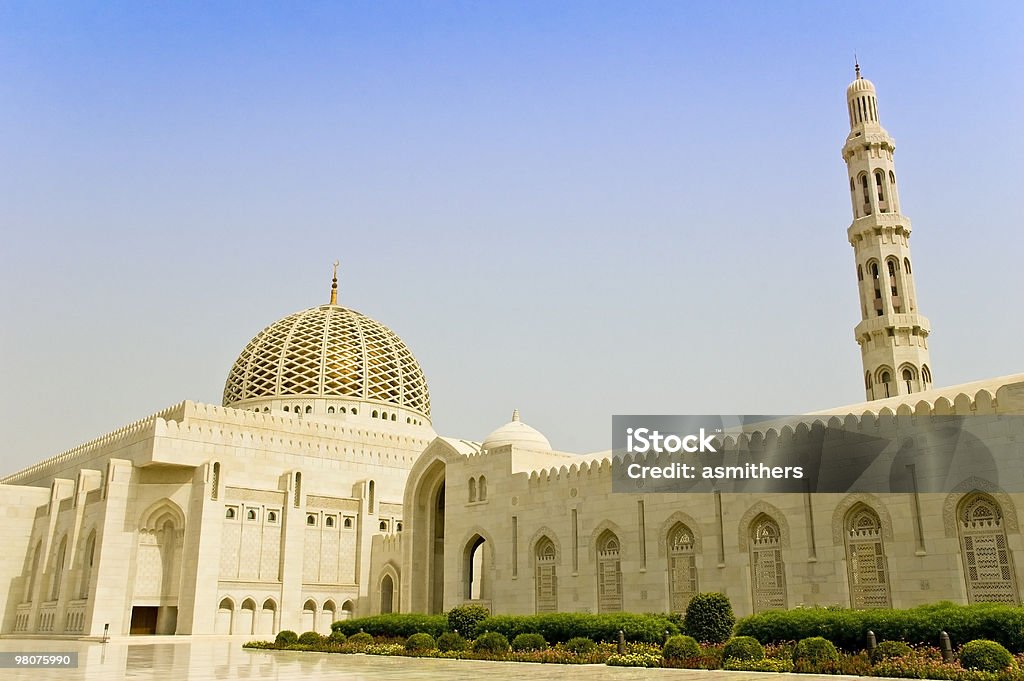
x=328, y=354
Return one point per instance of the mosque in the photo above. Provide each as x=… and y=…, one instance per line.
x=319, y=491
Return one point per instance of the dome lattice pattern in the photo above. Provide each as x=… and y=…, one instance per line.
x=328, y=351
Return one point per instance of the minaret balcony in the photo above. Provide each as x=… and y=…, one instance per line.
x=910, y=320
x=876, y=221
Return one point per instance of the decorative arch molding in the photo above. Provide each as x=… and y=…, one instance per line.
x=968, y=487
x=762, y=507
x=477, y=531
x=544, y=532
x=602, y=527
x=666, y=528
x=851, y=501
x=154, y=517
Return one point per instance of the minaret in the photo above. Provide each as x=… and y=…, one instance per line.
x=892, y=334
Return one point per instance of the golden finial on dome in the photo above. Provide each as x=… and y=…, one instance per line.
x=856, y=65
x=515, y=415
x=334, y=285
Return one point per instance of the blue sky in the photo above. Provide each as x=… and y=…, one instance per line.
x=574, y=209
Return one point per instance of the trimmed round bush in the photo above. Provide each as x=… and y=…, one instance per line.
x=709, y=618
x=360, y=639
x=988, y=656
x=744, y=648
x=449, y=641
x=336, y=637
x=491, y=642
x=889, y=650
x=465, y=618
x=815, y=650
x=580, y=645
x=418, y=643
x=527, y=642
x=286, y=637
x=310, y=638
x=680, y=648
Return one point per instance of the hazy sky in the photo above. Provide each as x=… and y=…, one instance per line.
x=573, y=209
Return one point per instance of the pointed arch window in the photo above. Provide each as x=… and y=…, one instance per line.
x=768, y=571
x=547, y=577
x=865, y=560
x=908, y=380
x=988, y=567
x=609, y=573
x=682, y=567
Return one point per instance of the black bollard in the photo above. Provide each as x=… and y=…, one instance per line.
x=947, y=647
x=621, y=648
x=872, y=641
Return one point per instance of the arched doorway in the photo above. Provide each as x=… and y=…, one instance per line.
x=158, y=570
x=268, y=615
x=309, y=615
x=225, y=616
x=327, y=617
x=387, y=595
x=476, y=565
x=426, y=502
x=246, y=620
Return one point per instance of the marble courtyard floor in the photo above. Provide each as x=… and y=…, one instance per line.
x=174, y=659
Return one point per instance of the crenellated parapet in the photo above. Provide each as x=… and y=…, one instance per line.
x=126, y=435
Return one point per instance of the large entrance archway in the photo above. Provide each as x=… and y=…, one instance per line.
x=158, y=570
x=427, y=529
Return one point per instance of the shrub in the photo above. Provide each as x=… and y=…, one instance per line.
x=709, y=618
x=890, y=650
x=360, y=639
x=736, y=664
x=465, y=618
x=491, y=642
x=745, y=648
x=988, y=656
x=310, y=638
x=680, y=648
x=580, y=645
x=419, y=642
x=286, y=637
x=815, y=651
x=336, y=637
x=560, y=627
x=922, y=625
x=394, y=625
x=527, y=642
x=450, y=641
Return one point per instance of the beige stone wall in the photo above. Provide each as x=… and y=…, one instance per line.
x=143, y=514
x=918, y=536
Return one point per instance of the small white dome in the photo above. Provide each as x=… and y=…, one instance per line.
x=517, y=433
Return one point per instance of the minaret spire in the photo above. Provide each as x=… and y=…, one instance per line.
x=334, y=285
x=892, y=333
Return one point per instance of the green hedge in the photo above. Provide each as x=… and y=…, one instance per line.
x=394, y=625
x=922, y=625
x=560, y=627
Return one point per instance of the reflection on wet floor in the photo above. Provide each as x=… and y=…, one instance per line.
x=205, y=659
